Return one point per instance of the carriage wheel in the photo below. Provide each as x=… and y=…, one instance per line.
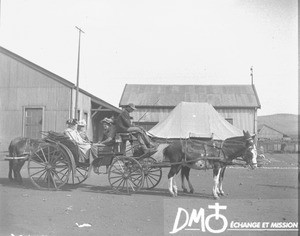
x=125, y=175
x=80, y=175
x=49, y=167
x=152, y=173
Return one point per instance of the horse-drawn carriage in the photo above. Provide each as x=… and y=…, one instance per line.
x=54, y=162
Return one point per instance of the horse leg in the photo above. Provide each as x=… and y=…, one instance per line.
x=221, y=192
x=175, y=189
x=172, y=184
x=18, y=166
x=216, y=175
x=186, y=171
x=10, y=170
x=183, y=175
x=187, y=176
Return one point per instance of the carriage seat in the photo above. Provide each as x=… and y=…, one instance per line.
x=65, y=140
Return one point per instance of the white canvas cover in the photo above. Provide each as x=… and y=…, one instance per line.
x=190, y=119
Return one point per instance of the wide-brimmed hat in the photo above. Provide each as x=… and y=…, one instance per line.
x=132, y=106
x=107, y=120
x=72, y=122
x=82, y=123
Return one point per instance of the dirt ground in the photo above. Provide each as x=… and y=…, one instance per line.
x=267, y=194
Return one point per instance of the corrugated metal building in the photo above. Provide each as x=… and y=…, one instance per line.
x=33, y=99
x=238, y=104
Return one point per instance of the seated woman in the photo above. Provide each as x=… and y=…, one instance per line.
x=86, y=150
x=81, y=127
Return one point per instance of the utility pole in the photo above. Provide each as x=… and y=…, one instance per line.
x=77, y=81
x=251, y=74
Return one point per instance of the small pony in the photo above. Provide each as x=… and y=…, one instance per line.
x=20, y=147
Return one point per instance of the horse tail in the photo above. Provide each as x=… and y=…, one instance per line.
x=166, y=152
x=11, y=149
x=15, y=145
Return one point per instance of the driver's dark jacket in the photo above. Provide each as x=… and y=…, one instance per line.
x=123, y=122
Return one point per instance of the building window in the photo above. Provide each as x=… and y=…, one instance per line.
x=85, y=116
x=230, y=120
x=33, y=122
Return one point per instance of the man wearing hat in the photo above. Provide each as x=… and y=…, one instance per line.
x=123, y=125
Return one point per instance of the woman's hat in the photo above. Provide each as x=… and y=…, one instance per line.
x=132, y=106
x=82, y=123
x=107, y=120
x=72, y=122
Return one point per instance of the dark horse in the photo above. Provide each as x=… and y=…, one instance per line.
x=184, y=155
x=20, y=147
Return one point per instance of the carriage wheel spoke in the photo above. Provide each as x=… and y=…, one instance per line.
x=132, y=177
x=154, y=175
x=63, y=174
x=146, y=180
x=116, y=181
x=53, y=179
x=48, y=179
x=151, y=177
x=37, y=167
x=39, y=163
x=44, y=155
x=58, y=178
x=62, y=169
x=116, y=172
x=56, y=157
x=153, y=170
x=121, y=169
x=122, y=181
x=39, y=172
x=139, y=178
x=123, y=186
x=43, y=161
x=127, y=186
x=131, y=184
x=41, y=176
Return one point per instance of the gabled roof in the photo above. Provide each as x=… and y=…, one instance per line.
x=219, y=96
x=57, y=78
x=269, y=127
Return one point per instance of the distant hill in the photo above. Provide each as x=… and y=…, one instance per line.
x=285, y=123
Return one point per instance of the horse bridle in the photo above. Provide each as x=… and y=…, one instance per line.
x=247, y=159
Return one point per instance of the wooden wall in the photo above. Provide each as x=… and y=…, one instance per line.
x=243, y=118
x=22, y=87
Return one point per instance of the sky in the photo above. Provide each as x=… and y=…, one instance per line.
x=209, y=42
